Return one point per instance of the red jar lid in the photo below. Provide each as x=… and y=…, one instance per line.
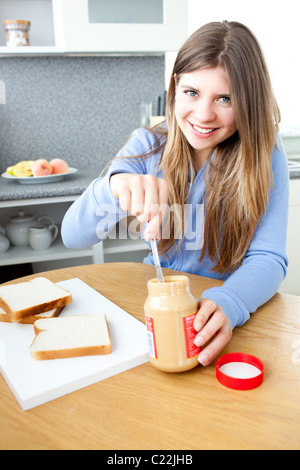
x=240, y=371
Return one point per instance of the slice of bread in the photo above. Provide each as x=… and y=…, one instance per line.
x=30, y=320
x=32, y=298
x=73, y=336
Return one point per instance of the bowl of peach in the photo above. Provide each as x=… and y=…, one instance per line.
x=39, y=171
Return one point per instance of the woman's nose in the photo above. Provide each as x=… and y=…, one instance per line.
x=204, y=111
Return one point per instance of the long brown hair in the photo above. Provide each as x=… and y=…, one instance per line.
x=239, y=177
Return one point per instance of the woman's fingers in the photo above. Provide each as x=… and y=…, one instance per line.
x=206, y=308
x=216, y=345
x=158, y=211
x=213, y=325
x=138, y=195
x=120, y=188
x=153, y=230
x=213, y=329
x=144, y=196
x=149, y=203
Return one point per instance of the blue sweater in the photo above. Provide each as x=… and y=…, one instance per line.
x=95, y=213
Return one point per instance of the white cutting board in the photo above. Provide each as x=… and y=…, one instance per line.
x=36, y=382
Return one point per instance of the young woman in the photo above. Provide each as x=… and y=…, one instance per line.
x=216, y=171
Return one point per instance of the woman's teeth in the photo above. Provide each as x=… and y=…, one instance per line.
x=202, y=131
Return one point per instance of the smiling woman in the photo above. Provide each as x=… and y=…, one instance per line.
x=219, y=150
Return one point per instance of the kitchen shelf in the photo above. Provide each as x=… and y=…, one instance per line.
x=25, y=254
x=65, y=27
x=29, y=50
x=117, y=246
x=44, y=18
x=37, y=201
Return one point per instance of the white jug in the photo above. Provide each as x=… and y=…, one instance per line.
x=41, y=237
x=18, y=225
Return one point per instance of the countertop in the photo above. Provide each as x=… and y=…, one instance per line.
x=294, y=166
x=73, y=185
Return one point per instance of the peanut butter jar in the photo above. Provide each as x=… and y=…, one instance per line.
x=170, y=310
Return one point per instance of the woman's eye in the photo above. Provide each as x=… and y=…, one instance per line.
x=191, y=93
x=225, y=99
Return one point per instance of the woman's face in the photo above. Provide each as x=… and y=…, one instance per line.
x=203, y=109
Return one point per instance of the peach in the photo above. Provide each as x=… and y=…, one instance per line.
x=59, y=166
x=41, y=167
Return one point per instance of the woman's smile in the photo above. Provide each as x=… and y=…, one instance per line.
x=202, y=132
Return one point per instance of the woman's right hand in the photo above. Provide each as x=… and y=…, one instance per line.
x=144, y=196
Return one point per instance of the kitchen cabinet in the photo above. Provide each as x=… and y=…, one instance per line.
x=105, y=27
x=44, y=33
x=109, y=31
x=58, y=255
x=291, y=284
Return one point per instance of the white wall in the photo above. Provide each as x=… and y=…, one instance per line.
x=276, y=24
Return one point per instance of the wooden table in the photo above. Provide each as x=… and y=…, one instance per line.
x=144, y=408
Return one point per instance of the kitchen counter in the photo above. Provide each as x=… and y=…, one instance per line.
x=294, y=166
x=73, y=185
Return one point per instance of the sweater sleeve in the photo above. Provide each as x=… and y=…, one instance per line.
x=94, y=214
x=265, y=264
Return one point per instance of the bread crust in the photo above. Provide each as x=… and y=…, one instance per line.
x=69, y=353
x=35, y=310
x=42, y=355
x=4, y=318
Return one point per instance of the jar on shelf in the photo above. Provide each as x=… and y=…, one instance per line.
x=17, y=32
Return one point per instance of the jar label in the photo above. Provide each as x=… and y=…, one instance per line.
x=151, y=337
x=190, y=333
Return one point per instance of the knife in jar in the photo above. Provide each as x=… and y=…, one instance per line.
x=159, y=273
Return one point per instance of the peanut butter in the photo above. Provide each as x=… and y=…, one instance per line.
x=170, y=310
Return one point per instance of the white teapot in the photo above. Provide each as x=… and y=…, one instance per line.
x=18, y=225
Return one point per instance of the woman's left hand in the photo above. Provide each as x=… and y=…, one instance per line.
x=212, y=325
